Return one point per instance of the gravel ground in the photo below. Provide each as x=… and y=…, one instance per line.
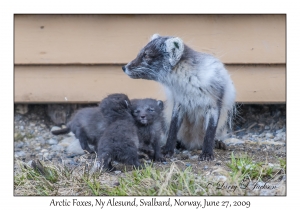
x=259, y=130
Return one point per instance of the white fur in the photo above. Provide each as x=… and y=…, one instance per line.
x=182, y=85
x=175, y=47
x=154, y=36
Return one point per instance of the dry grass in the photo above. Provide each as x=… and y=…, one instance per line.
x=57, y=179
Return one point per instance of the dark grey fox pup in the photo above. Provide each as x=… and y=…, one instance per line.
x=87, y=124
x=148, y=115
x=119, y=141
x=59, y=113
x=200, y=93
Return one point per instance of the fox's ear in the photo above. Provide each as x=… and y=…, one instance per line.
x=127, y=104
x=154, y=36
x=175, y=47
x=160, y=104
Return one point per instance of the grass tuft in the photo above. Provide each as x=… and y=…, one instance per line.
x=42, y=178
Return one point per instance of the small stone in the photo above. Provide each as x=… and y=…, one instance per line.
x=52, y=141
x=43, y=141
x=218, y=163
x=262, y=135
x=117, y=172
x=38, y=148
x=245, y=137
x=19, y=144
x=45, y=155
x=75, y=148
x=279, y=131
x=188, y=164
x=184, y=156
x=194, y=157
x=20, y=154
x=71, y=134
x=29, y=162
x=70, y=161
x=44, y=150
x=67, y=141
x=205, y=167
x=54, y=128
x=233, y=141
x=277, y=138
x=222, y=178
x=185, y=152
x=280, y=135
x=53, y=154
x=269, y=135
x=57, y=148
x=267, y=127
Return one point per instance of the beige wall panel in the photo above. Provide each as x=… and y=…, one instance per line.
x=77, y=84
x=116, y=39
x=259, y=83
x=43, y=84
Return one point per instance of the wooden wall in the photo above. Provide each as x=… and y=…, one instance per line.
x=78, y=58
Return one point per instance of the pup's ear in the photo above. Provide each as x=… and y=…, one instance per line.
x=160, y=104
x=154, y=36
x=175, y=47
x=127, y=104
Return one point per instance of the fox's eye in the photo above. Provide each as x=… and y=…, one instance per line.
x=136, y=111
x=151, y=110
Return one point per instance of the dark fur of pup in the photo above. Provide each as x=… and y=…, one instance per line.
x=119, y=141
x=59, y=113
x=87, y=124
x=148, y=115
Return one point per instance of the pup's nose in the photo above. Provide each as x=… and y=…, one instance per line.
x=123, y=67
x=143, y=116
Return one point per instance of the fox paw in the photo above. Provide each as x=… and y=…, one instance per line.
x=206, y=156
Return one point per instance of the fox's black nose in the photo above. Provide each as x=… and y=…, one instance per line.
x=123, y=67
x=143, y=116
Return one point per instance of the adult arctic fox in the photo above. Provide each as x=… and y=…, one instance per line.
x=199, y=90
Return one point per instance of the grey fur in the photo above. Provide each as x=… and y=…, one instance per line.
x=119, y=141
x=87, y=124
x=200, y=92
x=148, y=115
x=59, y=113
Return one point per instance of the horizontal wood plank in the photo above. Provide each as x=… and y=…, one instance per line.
x=116, y=39
x=91, y=83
